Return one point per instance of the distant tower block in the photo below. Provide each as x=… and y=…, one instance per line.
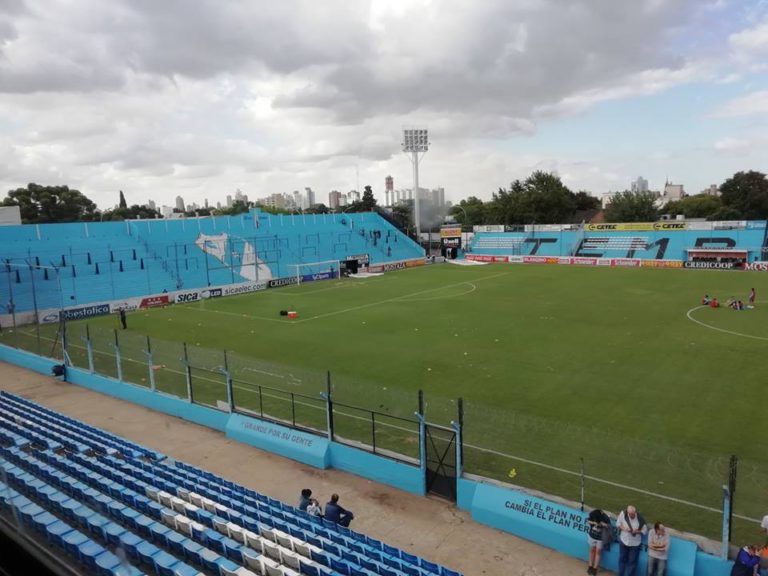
x=389, y=189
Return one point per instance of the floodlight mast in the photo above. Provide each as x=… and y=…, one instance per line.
x=415, y=142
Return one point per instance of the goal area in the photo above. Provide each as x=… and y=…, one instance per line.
x=322, y=270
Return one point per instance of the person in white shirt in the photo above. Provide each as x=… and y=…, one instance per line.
x=314, y=508
x=631, y=526
x=658, y=550
x=764, y=524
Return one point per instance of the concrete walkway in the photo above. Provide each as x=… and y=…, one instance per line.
x=427, y=527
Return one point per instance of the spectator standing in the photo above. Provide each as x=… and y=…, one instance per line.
x=658, y=550
x=747, y=562
x=631, y=526
x=123, y=321
x=597, y=521
x=335, y=513
x=304, y=499
x=752, y=297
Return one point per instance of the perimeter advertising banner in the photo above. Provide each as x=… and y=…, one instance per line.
x=661, y=263
x=450, y=232
x=638, y=227
x=756, y=266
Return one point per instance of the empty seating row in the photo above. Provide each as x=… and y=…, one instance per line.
x=80, y=429
x=62, y=535
x=185, y=518
x=623, y=243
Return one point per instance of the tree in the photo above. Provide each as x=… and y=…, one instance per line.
x=43, y=204
x=317, y=209
x=541, y=199
x=632, y=207
x=698, y=206
x=402, y=214
x=469, y=212
x=368, y=202
x=123, y=203
x=549, y=200
x=241, y=207
x=133, y=213
x=746, y=193
x=585, y=201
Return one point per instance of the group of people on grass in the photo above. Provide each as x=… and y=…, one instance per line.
x=732, y=302
x=631, y=527
x=334, y=512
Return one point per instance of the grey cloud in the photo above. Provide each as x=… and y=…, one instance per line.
x=483, y=64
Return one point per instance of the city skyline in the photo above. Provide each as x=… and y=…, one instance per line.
x=670, y=89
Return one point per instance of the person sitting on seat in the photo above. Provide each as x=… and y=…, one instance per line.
x=335, y=513
x=305, y=499
x=314, y=508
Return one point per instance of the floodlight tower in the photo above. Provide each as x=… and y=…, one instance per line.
x=416, y=142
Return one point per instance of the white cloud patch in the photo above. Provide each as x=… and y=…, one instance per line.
x=752, y=104
x=173, y=97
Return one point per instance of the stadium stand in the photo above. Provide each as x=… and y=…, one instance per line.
x=113, y=507
x=59, y=265
x=656, y=244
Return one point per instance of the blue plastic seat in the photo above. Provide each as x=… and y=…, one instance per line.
x=158, y=533
x=146, y=551
x=176, y=542
x=192, y=551
x=72, y=542
x=429, y=566
x=88, y=551
x=107, y=563
x=130, y=541
x=56, y=531
x=446, y=572
x=112, y=532
x=164, y=563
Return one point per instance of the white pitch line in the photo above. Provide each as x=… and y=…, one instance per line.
x=481, y=449
x=700, y=323
x=472, y=288
x=395, y=299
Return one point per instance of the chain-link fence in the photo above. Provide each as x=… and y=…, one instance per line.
x=681, y=487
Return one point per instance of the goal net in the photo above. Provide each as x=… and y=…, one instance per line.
x=323, y=270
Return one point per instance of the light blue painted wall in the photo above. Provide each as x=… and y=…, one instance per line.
x=294, y=444
x=384, y=470
x=27, y=360
x=563, y=529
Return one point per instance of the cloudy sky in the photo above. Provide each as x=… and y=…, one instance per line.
x=160, y=98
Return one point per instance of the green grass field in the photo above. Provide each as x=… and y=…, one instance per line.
x=555, y=364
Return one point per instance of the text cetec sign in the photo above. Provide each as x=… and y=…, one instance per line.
x=638, y=227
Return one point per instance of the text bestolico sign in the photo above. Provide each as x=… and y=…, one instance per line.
x=85, y=312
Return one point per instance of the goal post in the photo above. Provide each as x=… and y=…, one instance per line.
x=323, y=270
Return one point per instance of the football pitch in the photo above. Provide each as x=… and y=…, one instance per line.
x=616, y=370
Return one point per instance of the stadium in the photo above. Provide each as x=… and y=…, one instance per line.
x=534, y=374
